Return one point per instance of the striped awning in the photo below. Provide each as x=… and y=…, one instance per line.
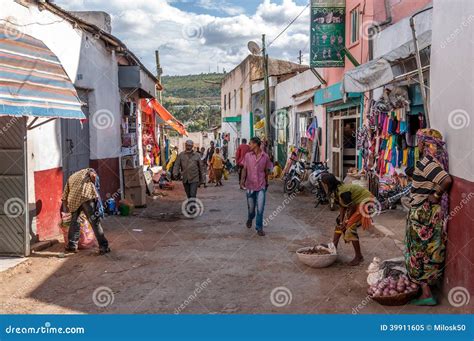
x=32, y=79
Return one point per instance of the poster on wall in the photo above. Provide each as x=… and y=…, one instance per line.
x=327, y=33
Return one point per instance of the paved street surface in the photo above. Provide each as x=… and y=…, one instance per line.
x=162, y=262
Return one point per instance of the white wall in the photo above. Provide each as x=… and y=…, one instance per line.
x=398, y=34
x=297, y=84
x=86, y=58
x=452, y=76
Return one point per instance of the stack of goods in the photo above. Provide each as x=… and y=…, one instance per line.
x=392, y=131
x=135, y=186
x=388, y=282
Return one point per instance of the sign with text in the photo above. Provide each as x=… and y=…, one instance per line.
x=327, y=33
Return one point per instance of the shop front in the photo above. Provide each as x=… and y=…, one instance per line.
x=342, y=123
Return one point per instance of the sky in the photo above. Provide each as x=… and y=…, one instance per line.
x=195, y=36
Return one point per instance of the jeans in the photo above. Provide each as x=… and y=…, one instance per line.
x=191, y=189
x=89, y=208
x=256, y=206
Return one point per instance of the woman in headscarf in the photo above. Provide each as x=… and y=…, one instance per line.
x=357, y=206
x=426, y=223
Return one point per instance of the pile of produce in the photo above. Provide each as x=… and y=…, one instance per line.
x=315, y=251
x=392, y=286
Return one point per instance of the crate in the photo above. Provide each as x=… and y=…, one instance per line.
x=134, y=177
x=137, y=195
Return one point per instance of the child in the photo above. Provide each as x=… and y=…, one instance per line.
x=217, y=164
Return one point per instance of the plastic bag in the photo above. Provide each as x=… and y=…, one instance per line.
x=86, y=238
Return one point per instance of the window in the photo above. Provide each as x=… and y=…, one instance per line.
x=355, y=24
x=241, y=98
x=225, y=102
x=235, y=99
x=229, y=100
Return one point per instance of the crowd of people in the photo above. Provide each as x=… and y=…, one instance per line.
x=426, y=220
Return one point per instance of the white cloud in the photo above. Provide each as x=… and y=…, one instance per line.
x=194, y=43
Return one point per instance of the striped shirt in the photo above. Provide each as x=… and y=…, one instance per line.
x=427, y=176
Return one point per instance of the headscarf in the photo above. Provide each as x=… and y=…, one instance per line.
x=435, y=147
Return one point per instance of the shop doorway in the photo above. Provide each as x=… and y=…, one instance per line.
x=75, y=140
x=344, y=154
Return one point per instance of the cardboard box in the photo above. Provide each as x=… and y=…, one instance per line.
x=134, y=177
x=130, y=162
x=137, y=195
x=129, y=140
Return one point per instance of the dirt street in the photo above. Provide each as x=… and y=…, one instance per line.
x=163, y=262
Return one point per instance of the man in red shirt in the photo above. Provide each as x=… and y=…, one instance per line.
x=257, y=166
x=243, y=149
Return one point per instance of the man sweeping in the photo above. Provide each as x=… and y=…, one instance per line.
x=81, y=194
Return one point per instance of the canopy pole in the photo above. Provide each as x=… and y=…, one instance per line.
x=31, y=126
x=419, y=66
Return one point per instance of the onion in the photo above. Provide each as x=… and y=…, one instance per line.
x=393, y=292
x=386, y=292
x=406, y=291
x=378, y=292
x=414, y=286
x=400, y=288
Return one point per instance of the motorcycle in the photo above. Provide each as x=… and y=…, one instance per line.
x=292, y=180
x=320, y=168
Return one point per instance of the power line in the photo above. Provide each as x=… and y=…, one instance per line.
x=288, y=26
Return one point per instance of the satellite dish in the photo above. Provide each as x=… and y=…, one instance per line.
x=254, y=47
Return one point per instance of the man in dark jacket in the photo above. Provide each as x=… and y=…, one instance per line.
x=188, y=165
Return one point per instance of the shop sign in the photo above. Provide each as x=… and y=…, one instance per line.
x=327, y=33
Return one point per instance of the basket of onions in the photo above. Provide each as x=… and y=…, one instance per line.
x=393, y=291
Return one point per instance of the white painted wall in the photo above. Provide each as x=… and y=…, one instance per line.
x=452, y=76
x=399, y=33
x=297, y=84
x=80, y=55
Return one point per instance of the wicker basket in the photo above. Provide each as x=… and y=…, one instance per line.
x=400, y=299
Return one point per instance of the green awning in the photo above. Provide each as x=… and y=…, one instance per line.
x=348, y=104
x=233, y=119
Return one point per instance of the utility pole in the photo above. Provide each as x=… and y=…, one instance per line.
x=267, y=98
x=159, y=96
x=300, y=57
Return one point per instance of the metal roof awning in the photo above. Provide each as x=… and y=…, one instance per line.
x=33, y=81
x=152, y=105
x=381, y=71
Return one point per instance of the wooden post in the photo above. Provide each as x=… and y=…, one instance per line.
x=159, y=96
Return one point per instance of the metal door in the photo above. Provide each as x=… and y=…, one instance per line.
x=75, y=140
x=14, y=225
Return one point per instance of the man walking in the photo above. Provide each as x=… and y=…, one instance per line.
x=256, y=167
x=81, y=194
x=239, y=156
x=209, y=154
x=188, y=164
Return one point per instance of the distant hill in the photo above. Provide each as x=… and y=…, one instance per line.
x=194, y=89
x=194, y=99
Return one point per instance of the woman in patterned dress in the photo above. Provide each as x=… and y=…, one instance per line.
x=426, y=223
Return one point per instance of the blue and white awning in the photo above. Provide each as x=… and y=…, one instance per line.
x=32, y=79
